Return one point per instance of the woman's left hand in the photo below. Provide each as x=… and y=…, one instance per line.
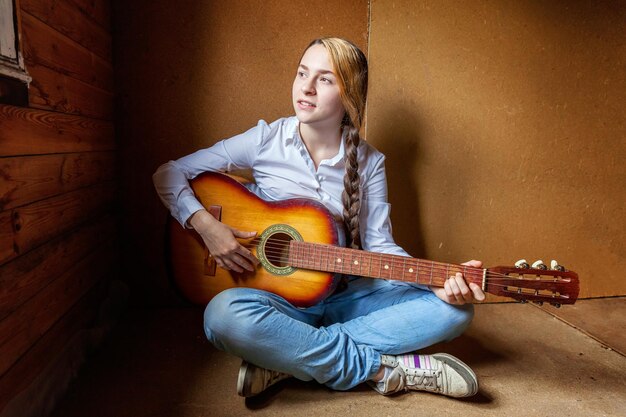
x=457, y=291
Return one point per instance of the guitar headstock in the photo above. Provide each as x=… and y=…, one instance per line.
x=534, y=283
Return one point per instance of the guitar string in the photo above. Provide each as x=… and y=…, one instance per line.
x=279, y=257
x=441, y=269
x=477, y=272
x=279, y=250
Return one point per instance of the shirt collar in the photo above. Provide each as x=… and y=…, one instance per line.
x=294, y=136
x=292, y=132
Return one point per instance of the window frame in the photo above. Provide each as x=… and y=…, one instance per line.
x=11, y=59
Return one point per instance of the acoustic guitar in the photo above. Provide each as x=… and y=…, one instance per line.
x=299, y=246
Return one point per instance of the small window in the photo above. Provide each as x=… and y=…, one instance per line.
x=13, y=76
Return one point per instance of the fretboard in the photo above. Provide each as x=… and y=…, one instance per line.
x=328, y=258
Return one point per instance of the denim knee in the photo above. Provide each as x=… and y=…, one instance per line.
x=220, y=315
x=459, y=319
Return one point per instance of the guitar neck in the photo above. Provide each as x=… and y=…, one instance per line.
x=329, y=258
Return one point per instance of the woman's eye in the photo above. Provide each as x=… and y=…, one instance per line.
x=325, y=80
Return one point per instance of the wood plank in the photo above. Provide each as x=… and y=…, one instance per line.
x=23, y=277
x=51, y=90
x=38, y=358
x=45, y=46
x=67, y=18
x=34, y=318
x=30, y=132
x=7, y=248
x=32, y=178
x=98, y=10
x=39, y=222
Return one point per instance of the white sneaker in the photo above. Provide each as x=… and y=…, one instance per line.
x=253, y=379
x=439, y=373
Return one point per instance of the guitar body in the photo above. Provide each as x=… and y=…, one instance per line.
x=276, y=223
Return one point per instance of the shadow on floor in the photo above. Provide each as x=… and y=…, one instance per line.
x=529, y=363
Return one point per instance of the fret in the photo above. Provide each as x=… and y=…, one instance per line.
x=417, y=272
x=411, y=271
x=325, y=259
x=345, y=261
x=339, y=260
x=357, y=262
x=331, y=259
x=376, y=259
x=364, y=263
x=299, y=260
x=295, y=248
x=381, y=271
x=302, y=256
x=385, y=266
x=349, y=261
x=432, y=264
x=316, y=257
x=290, y=256
x=313, y=257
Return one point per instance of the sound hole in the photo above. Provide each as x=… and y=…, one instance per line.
x=277, y=249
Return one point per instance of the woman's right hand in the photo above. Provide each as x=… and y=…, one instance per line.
x=221, y=241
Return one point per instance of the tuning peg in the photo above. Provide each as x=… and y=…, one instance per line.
x=522, y=301
x=557, y=305
x=539, y=303
x=522, y=264
x=554, y=265
x=539, y=265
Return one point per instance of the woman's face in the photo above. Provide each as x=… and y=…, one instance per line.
x=316, y=98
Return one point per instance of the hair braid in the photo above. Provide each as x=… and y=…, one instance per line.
x=351, y=197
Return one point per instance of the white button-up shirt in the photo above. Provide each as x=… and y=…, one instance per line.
x=283, y=169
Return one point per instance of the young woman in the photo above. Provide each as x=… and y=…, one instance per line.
x=364, y=332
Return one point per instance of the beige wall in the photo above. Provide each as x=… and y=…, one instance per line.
x=504, y=127
x=189, y=73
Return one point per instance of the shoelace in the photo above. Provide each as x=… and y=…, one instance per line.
x=429, y=380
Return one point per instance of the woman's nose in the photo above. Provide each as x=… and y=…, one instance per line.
x=308, y=87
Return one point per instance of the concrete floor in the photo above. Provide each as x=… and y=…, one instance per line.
x=530, y=361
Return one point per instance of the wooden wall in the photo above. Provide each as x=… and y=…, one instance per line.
x=58, y=244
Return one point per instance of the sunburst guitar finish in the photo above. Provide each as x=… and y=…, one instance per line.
x=276, y=224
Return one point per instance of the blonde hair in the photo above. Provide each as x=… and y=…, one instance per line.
x=350, y=67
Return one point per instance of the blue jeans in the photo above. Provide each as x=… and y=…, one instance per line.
x=337, y=342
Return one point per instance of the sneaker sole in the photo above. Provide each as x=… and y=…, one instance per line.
x=459, y=366
x=243, y=384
